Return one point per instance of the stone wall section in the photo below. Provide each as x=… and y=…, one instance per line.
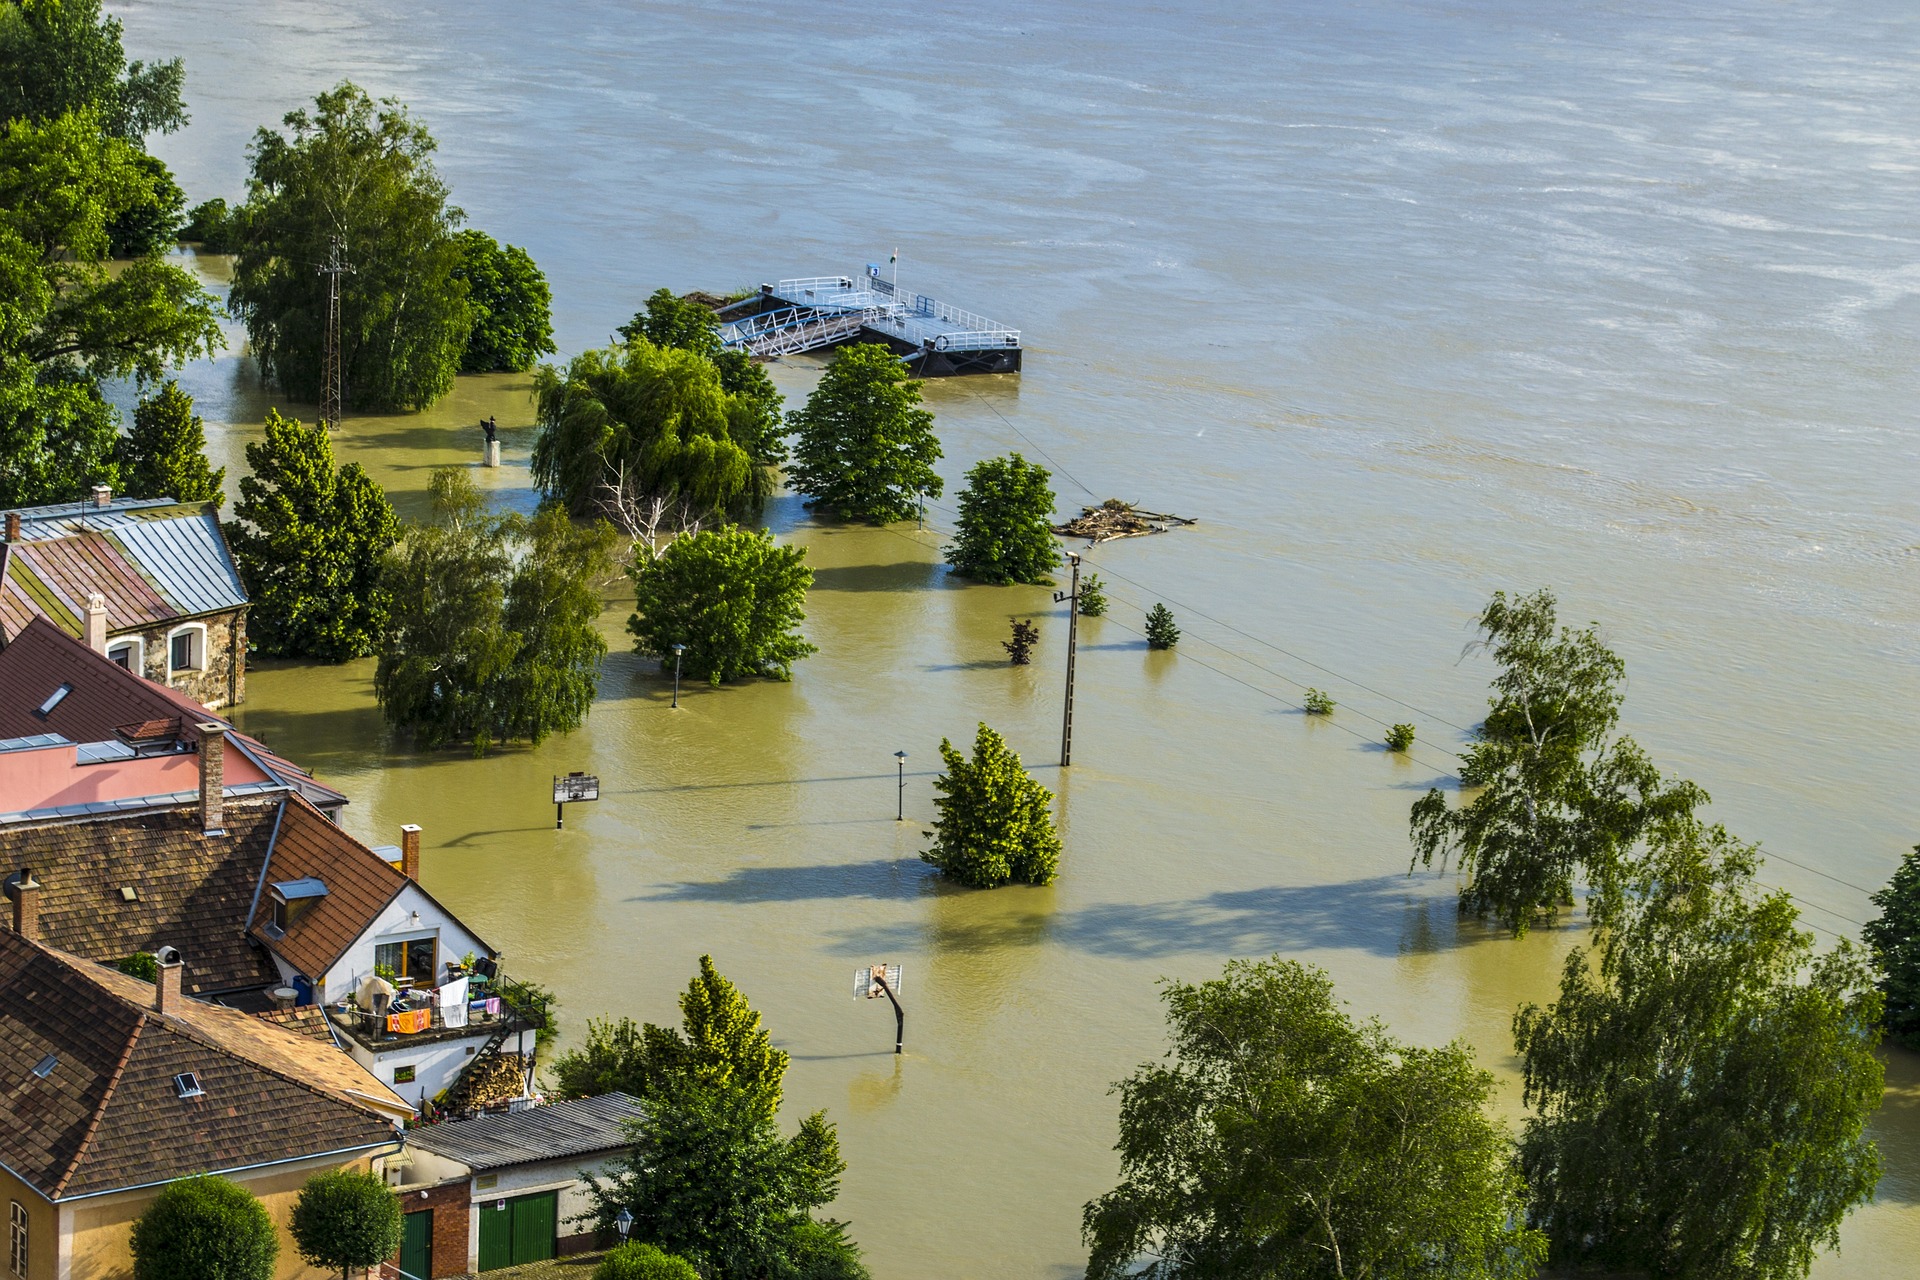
x=222, y=678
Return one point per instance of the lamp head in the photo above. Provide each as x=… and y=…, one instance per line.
x=679, y=648
x=900, y=755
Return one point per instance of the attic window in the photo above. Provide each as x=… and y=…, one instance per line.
x=291, y=898
x=54, y=699
x=187, y=1085
x=44, y=1068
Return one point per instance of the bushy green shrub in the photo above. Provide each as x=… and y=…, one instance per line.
x=1400, y=737
x=637, y=1261
x=1319, y=704
x=1161, y=633
x=206, y=1228
x=346, y=1219
x=1093, y=596
x=996, y=821
x=1005, y=530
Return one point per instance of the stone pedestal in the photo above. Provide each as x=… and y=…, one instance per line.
x=493, y=453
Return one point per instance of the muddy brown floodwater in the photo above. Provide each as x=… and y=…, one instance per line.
x=1405, y=302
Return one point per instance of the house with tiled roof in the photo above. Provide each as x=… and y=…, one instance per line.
x=113, y=1087
x=51, y=683
x=150, y=583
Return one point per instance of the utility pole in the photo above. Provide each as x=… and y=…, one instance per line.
x=332, y=389
x=1072, y=597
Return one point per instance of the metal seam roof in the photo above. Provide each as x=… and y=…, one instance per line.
x=537, y=1134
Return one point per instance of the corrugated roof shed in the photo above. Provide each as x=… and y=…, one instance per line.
x=154, y=563
x=554, y=1132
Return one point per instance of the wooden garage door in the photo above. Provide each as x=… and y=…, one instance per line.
x=518, y=1230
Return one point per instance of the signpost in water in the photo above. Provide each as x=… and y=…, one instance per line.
x=883, y=979
x=567, y=790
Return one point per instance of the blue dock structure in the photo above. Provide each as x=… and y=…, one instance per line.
x=933, y=338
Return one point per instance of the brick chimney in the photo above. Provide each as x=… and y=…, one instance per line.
x=213, y=748
x=96, y=636
x=102, y=496
x=13, y=526
x=166, y=983
x=26, y=906
x=410, y=851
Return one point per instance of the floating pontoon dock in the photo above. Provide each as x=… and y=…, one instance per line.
x=934, y=339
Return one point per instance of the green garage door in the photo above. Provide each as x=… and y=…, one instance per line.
x=416, y=1246
x=518, y=1230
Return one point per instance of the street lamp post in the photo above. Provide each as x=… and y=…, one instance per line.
x=623, y=1223
x=677, y=651
x=901, y=814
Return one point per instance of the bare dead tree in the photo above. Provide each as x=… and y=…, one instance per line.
x=645, y=518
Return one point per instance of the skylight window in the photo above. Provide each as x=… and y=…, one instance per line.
x=45, y=1066
x=54, y=699
x=187, y=1085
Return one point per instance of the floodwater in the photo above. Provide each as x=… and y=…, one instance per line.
x=1406, y=302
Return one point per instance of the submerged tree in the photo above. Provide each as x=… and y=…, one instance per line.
x=721, y=1042
x=1280, y=1138
x=1559, y=795
x=1162, y=631
x=511, y=304
x=164, y=456
x=995, y=821
x=1703, y=1083
x=1020, y=647
x=485, y=644
x=1005, y=530
x=865, y=448
x=641, y=421
x=362, y=173
x=1894, y=937
x=309, y=540
x=685, y=325
x=732, y=597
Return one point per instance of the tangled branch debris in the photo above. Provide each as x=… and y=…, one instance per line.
x=1116, y=519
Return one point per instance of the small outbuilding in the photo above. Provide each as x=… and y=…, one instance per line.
x=502, y=1190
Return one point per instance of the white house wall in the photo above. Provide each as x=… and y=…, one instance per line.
x=394, y=923
x=435, y=1064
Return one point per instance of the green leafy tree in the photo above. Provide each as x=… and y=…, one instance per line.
x=731, y=596
x=63, y=56
x=484, y=645
x=721, y=1043
x=1020, y=647
x=309, y=540
x=214, y=226
x=686, y=325
x=864, y=448
x=1093, y=596
x=1558, y=794
x=164, y=456
x=66, y=320
x=1703, y=1083
x=1400, y=738
x=1161, y=631
x=1005, y=530
x=363, y=173
x=633, y=1261
x=512, y=305
x=995, y=821
x=152, y=224
x=143, y=965
x=622, y=427
x=1319, y=702
x=204, y=1228
x=347, y=1219
x=1894, y=938
x=1280, y=1138
x=711, y=1180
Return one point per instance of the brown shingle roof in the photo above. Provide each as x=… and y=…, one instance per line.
x=305, y=1020
x=107, y=1115
x=360, y=884
x=106, y=698
x=194, y=891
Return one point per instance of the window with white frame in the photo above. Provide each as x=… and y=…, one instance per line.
x=129, y=653
x=187, y=649
x=17, y=1239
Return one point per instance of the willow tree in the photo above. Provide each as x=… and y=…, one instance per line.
x=1702, y=1086
x=1557, y=794
x=687, y=325
x=638, y=422
x=1282, y=1138
x=363, y=173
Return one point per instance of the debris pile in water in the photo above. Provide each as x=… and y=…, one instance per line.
x=1116, y=519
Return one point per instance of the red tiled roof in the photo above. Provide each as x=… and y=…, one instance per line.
x=107, y=1114
x=106, y=697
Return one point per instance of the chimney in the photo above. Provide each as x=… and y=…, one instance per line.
x=13, y=526
x=410, y=851
x=102, y=496
x=96, y=636
x=26, y=906
x=213, y=745
x=166, y=982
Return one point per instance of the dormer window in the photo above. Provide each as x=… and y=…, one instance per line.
x=293, y=899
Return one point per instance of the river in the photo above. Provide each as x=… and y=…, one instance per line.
x=1406, y=302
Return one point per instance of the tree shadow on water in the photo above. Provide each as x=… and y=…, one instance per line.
x=1384, y=915
x=883, y=878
